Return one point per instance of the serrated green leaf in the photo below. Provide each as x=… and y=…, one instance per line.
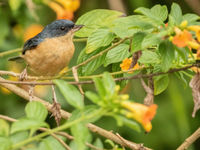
x=191, y=18
x=98, y=143
x=127, y=26
x=137, y=40
x=96, y=19
x=36, y=110
x=149, y=57
x=117, y=54
x=4, y=128
x=175, y=17
x=92, y=65
x=92, y=97
x=160, y=12
x=71, y=94
x=151, y=40
x=160, y=84
x=26, y=124
x=50, y=143
x=100, y=38
x=19, y=136
x=5, y=143
x=157, y=13
x=183, y=53
x=166, y=50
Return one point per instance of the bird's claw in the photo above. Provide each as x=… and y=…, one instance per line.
x=23, y=76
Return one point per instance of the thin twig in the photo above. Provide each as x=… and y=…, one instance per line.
x=75, y=74
x=191, y=139
x=109, y=135
x=116, y=79
x=10, y=52
x=93, y=147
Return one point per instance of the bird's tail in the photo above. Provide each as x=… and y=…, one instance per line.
x=17, y=59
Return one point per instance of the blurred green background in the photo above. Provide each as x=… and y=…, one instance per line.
x=21, y=19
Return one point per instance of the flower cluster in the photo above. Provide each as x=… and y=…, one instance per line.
x=183, y=37
x=64, y=9
x=126, y=63
x=139, y=112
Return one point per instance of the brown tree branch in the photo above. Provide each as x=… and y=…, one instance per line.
x=109, y=135
x=191, y=139
x=116, y=79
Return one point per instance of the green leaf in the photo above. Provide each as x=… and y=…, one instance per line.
x=136, y=44
x=92, y=65
x=127, y=26
x=81, y=135
x=109, y=83
x=117, y=54
x=157, y=13
x=166, y=50
x=160, y=84
x=5, y=143
x=92, y=97
x=4, y=26
x=50, y=143
x=175, y=17
x=4, y=128
x=15, y=4
x=36, y=110
x=71, y=94
x=151, y=40
x=130, y=123
x=96, y=19
x=100, y=87
x=98, y=143
x=191, y=18
x=26, y=124
x=160, y=12
x=100, y=38
x=19, y=136
x=149, y=57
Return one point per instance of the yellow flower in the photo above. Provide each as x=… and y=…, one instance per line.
x=184, y=24
x=141, y=113
x=126, y=63
x=196, y=29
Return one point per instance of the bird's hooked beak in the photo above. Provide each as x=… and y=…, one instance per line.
x=77, y=27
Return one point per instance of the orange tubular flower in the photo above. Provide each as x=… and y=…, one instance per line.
x=181, y=38
x=61, y=12
x=141, y=113
x=32, y=30
x=126, y=63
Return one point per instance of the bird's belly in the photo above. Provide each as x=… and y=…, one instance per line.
x=49, y=61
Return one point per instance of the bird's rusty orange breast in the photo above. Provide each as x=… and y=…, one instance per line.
x=50, y=56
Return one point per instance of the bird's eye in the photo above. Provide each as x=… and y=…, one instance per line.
x=62, y=28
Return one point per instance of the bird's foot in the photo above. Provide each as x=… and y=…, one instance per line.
x=23, y=76
x=56, y=108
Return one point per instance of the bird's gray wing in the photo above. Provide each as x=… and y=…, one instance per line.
x=32, y=43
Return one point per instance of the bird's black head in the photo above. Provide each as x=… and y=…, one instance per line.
x=59, y=28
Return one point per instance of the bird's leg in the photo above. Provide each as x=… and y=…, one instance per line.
x=56, y=107
x=30, y=92
x=23, y=76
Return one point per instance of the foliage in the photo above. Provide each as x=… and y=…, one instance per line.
x=153, y=41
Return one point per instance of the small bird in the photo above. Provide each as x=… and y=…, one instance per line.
x=48, y=53
x=51, y=50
